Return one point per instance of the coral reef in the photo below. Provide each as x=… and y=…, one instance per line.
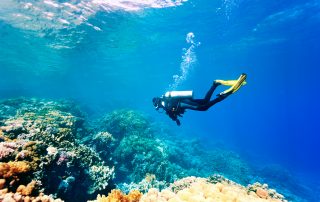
x=282, y=179
x=117, y=196
x=138, y=148
x=201, y=189
x=16, y=197
x=101, y=142
x=41, y=140
x=100, y=176
x=216, y=188
x=23, y=193
x=144, y=185
x=229, y=164
x=122, y=122
x=48, y=150
x=13, y=169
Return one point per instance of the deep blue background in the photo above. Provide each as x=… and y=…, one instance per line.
x=273, y=119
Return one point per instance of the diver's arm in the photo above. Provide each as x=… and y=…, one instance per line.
x=174, y=117
x=178, y=122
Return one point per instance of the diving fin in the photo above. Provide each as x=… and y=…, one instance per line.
x=236, y=84
x=228, y=82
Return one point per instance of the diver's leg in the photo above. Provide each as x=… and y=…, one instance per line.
x=224, y=94
x=203, y=106
x=206, y=106
x=206, y=99
x=211, y=90
x=235, y=85
x=221, y=96
x=193, y=107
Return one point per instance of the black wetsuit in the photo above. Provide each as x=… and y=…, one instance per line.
x=175, y=107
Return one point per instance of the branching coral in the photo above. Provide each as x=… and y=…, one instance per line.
x=13, y=169
x=122, y=122
x=100, y=176
x=40, y=120
x=26, y=190
x=141, y=155
x=143, y=186
x=7, y=149
x=102, y=142
x=23, y=192
x=117, y=196
x=262, y=191
x=17, y=197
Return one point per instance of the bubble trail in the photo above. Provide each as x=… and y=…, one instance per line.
x=189, y=59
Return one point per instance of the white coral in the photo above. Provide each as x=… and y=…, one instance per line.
x=100, y=175
x=52, y=151
x=6, y=149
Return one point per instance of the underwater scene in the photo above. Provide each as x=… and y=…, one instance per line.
x=159, y=100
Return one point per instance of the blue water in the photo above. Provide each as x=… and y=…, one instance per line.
x=121, y=58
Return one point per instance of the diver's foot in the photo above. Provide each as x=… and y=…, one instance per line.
x=216, y=82
x=236, y=85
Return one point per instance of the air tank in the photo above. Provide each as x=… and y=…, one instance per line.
x=179, y=94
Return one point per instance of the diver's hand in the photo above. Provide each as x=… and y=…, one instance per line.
x=178, y=122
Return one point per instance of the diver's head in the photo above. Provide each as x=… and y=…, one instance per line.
x=157, y=102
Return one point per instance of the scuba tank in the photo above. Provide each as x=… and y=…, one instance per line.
x=171, y=102
x=179, y=94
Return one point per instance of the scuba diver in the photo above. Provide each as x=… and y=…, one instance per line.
x=174, y=103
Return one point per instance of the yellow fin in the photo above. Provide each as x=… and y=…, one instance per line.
x=236, y=84
x=229, y=82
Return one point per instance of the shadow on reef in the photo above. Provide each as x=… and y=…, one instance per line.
x=50, y=147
